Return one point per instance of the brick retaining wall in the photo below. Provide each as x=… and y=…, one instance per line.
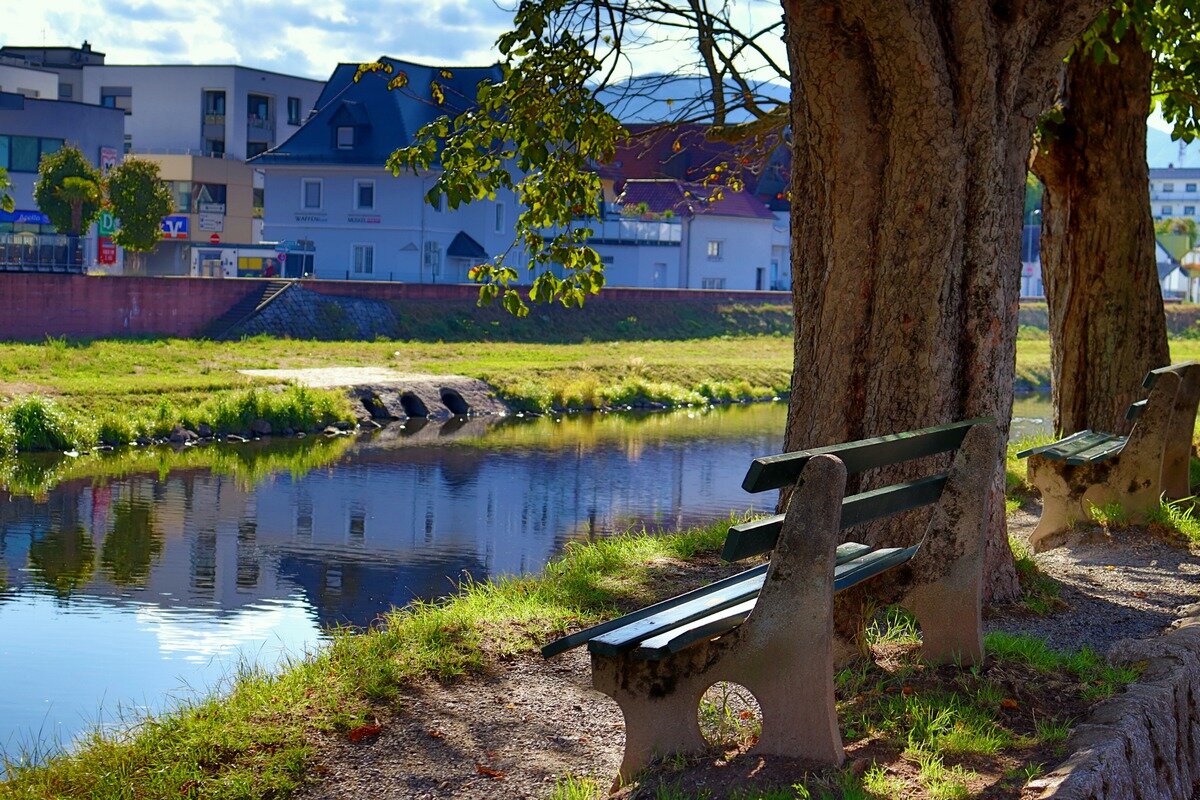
x=34, y=306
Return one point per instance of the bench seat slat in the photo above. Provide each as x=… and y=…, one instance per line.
x=772, y=472
x=701, y=597
x=1095, y=455
x=1033, y=451
x=1076, y=443
x=751, y=538
x=725, y=620
x=687, y=607
x=1152, y=376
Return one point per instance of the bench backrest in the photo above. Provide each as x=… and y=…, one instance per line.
x=773, y=472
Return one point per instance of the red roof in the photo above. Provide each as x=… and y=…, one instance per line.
x=692, y=199
x=683, y=152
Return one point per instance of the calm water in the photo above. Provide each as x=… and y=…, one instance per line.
x=148, y=576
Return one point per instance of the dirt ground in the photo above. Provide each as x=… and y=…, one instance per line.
x=514, y=733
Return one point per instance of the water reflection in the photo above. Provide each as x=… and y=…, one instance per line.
x=141, y=575
x=130, y=576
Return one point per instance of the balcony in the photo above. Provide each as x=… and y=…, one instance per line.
x=260, y=124
x=638, y=231
x=211, y=118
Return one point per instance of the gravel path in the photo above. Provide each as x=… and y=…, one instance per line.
x=1124, y=585
x=514, y=733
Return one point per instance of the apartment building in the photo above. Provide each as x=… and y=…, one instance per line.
x=327, y=184
x=1175, y=193
x=213, y=111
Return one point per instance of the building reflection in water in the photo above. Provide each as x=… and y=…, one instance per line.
x=218, y=562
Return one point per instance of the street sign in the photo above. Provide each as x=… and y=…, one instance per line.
x=282, y=258
x=214, y=239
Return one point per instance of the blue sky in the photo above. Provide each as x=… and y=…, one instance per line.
x=301, y=38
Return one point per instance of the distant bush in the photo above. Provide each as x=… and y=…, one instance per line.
x=36, y=423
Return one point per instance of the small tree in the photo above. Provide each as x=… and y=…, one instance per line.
x=6, y=198
x=68, y=190
x=139, y=199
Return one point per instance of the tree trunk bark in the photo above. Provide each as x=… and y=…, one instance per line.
x=1107, y=327
x=913, y=123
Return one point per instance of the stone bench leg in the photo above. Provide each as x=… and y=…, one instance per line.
x=947, y=592
x=1062, y=488
x=1176, y=477
x=782, y=653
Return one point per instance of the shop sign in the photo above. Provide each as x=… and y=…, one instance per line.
x=175, y=227
x=363, y=219
x=106, y=225
x=106, y=251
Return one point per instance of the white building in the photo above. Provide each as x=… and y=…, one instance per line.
x=327, y=184
x=677, y=237
x=220, y=111
x=1175, y=193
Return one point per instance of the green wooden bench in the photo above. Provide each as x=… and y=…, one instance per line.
x=771, y=627
x=1094, y=468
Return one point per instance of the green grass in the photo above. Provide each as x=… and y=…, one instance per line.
x=1176, y=517
x=1040, y=594
x=254, y=742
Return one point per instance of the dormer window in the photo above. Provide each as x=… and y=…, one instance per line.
x=345, y=137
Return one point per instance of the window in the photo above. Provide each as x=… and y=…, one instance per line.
x=214, y=103
x=293, y=111
x=1168, y=210
x=65, y=91
x=364, y=258
x=1168, y=187
x=310, y=193
x=1189, y=187
x=257, y=199
x=214, y=148
x=23, y=154
x=345, y=137
x=364, y=195
x=715, y=249
x=499, y=217
x=1189, y=211
x=254, y=148
x=118, y=97
x=712, y=283
x=607, y=260
x=128, y=143
x=181, y=191
x=433, y=257
x=258, y=108
x=208, y=198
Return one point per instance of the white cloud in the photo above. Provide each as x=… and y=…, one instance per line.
x=283, y=35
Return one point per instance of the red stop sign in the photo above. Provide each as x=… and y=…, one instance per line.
x=214, y=239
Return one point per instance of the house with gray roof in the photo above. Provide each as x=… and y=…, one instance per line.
x=328, y=184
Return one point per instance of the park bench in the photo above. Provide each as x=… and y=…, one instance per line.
x=771, y=628
x=1094, y=469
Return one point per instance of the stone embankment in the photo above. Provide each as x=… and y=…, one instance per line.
x=1143, y=744
x=383, y=394
x=302, y=314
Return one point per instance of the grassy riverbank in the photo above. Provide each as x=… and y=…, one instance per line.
x=118, y=390
x=258, y=740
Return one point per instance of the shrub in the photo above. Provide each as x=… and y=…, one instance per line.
x=39, y=424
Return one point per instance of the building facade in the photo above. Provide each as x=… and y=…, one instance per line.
x=667, y=233
x=328, y=185
x=1175, y=193
x=66, y=62
x=215, y=111
x=31, y=128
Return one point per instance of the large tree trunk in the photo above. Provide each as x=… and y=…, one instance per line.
x=1098, y=263
x=913, y=123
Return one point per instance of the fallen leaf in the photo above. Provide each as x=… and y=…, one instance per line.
x=494, y=774
x=1139, y=594
x=747, y=714
x=187, y=787
x=364, y=732
x=434, y=733
x=1009, y=704
x=906, y=690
